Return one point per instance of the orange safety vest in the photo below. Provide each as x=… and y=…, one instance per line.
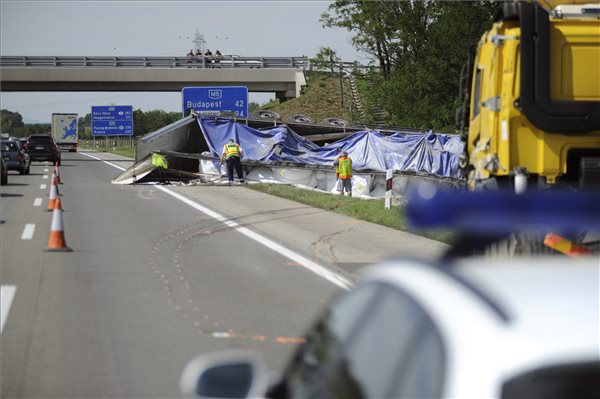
x=345, y=167
x=231, y=150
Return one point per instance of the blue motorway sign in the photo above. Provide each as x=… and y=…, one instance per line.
x=112, y=120
x=207, y=100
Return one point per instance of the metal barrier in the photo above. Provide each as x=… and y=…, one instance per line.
x=225, y=61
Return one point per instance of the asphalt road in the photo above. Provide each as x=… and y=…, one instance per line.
x=160, y=274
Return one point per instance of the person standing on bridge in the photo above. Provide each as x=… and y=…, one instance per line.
x=199, y=58
x=218, y=56
x=344, y=168
x=232, y=154
x=208, y=55
x=190, y=57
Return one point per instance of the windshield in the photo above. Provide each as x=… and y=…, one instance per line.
x=9, y=146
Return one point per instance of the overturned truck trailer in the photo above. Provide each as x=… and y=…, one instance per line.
x=189, y=149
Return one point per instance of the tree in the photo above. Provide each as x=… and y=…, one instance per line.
x=325, y=59
x=420, y=47
x=10, y=120
x=385, y=30
x=84, y=126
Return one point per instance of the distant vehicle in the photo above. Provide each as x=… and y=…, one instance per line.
x=4, y=171
x=15, y=157
x=64, y=131
x=42, y=147
x=236, y=61
x=475, y=328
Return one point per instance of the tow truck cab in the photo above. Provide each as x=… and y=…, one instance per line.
x=533, y=105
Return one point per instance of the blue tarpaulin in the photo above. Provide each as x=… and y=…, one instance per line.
x=433, y=153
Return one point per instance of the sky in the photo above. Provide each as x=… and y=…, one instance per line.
x=155, y=28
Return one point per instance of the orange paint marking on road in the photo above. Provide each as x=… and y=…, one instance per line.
x=292, y=264
x=289, y=340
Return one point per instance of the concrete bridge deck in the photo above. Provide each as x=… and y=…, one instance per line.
x=282, y=75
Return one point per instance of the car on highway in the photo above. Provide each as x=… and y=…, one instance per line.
x=473, y=327
x=235, y=61
x=42, y=147
x=3, y=171
x=16, y=158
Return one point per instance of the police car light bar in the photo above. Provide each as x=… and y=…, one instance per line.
x=497, y=213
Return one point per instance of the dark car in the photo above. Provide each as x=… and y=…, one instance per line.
x=15, y=157
x=42, y=147
x=4, y=177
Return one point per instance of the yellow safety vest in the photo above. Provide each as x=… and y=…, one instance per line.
x=345, y=167
x=159, y=161
x=231, y=150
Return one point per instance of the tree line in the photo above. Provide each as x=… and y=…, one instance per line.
x=143, y=123
x=419, y=48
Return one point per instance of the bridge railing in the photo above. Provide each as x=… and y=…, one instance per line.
x=226, y=61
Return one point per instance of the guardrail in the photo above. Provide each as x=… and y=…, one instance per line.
x=225, y=61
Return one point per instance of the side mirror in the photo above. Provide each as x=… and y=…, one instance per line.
x=228, y=374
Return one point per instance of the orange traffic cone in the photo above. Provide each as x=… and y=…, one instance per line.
x=54, y=194
x=56, y=242
x=57, y=174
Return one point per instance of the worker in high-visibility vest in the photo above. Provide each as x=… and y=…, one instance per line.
x=344, y=168
x=232, y=154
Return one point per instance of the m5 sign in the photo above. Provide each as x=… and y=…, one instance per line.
x=211, y=100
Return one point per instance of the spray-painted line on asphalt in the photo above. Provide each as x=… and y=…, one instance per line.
x=7, y=292
x=305, y=262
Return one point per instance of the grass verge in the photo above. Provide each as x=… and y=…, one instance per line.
x=369, y=210
x=127, y=152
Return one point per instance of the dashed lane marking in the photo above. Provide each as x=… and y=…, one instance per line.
x=43, y=186
x=28, y=231
x=37, y=202
x=7, y=293
x=45, y=177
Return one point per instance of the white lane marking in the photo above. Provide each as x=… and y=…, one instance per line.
x=45, y=170
x=307, y=263
x=7, y=292
x=28, y=231
x=42, y=186
x=106, y=162
x=37, y=202
x=45, y=176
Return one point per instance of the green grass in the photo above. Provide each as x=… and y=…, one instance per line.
x=321, y=99
x=127, y=152
x=369, y=210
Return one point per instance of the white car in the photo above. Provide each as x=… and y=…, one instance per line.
x=473, y=328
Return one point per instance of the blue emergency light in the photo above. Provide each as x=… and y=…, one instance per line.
x=495, y=213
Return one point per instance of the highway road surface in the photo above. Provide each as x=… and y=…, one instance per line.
x=159, y=274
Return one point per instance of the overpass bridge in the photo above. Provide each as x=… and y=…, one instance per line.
x=282, y=75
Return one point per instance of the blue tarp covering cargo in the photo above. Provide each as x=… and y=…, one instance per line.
x=433, y=153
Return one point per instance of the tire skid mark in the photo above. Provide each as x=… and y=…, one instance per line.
x=178, y=289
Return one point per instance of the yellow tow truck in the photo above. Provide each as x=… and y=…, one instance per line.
x=531, y=95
